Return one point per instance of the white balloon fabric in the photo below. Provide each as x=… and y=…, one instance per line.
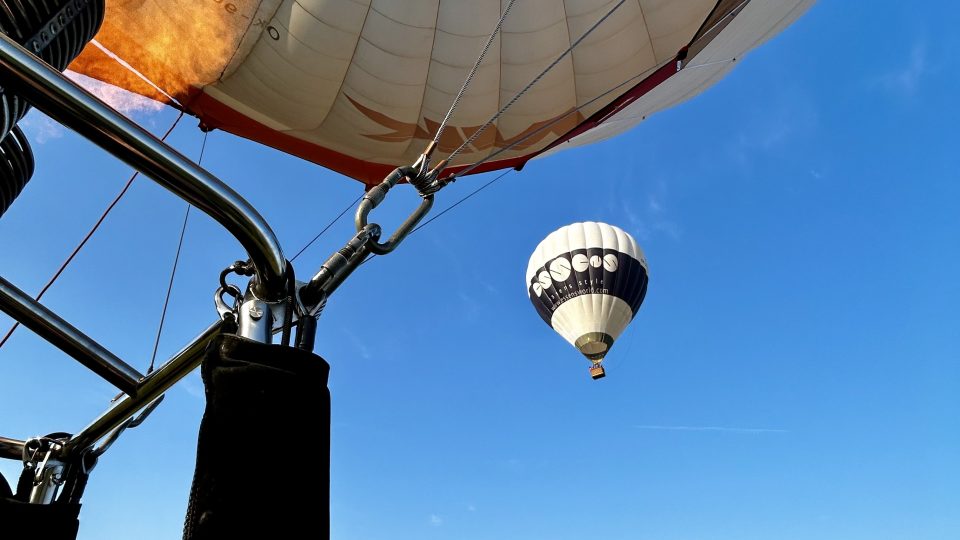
x=361, y=86
x=587, y=281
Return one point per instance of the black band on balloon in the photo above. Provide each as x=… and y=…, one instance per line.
x=587, y=271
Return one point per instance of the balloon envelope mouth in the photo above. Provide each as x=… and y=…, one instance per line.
x=594, y=345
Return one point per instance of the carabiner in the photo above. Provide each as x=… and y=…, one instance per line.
x=223, y=309
x=376, y=195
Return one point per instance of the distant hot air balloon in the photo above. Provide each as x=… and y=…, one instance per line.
x=587, y=281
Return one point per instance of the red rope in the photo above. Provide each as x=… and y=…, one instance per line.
x=89, y=234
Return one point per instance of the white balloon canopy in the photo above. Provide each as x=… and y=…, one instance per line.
x=360, y=86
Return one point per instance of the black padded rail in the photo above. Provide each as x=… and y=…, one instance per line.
x=16, y=167
x=54, y=30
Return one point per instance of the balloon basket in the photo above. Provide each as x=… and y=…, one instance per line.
x=597, y=372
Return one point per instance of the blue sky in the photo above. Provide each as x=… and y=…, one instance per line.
x=794, y=372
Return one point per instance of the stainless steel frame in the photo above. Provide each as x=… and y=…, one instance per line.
x=149, y=389
x=11, y=448
x=67, y=103
x=64, y=101
x=68, y=339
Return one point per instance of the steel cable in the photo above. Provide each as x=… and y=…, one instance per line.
x=176, y=261
x=473, y=71
x=533, y=82
x=319, y=234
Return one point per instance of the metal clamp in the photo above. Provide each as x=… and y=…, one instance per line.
x=341, y=264
x=41, y=455
x=90, y=458
x=376, y=195
x=337, y=268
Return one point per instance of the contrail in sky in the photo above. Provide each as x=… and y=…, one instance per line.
x=713, y=428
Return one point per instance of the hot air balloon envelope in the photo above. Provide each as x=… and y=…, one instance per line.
x=587, y=281
x=360, y=86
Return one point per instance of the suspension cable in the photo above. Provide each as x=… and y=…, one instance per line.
x=456, y=204
x=89, y=234
x=519, y=141
x=511, y=145
x=548, y=125
x=473, y=166
x=319, y=234
x=535, y=80
x=176, y=261
x=473, y=71
x=449, y=208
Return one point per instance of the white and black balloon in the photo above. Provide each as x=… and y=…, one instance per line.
x=587, y=281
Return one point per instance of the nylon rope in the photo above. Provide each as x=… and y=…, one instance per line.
x=89, y=234
x=473, y=71
x=126, y=65
x=173, y=271
x=535, y=80
x=708, y=64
